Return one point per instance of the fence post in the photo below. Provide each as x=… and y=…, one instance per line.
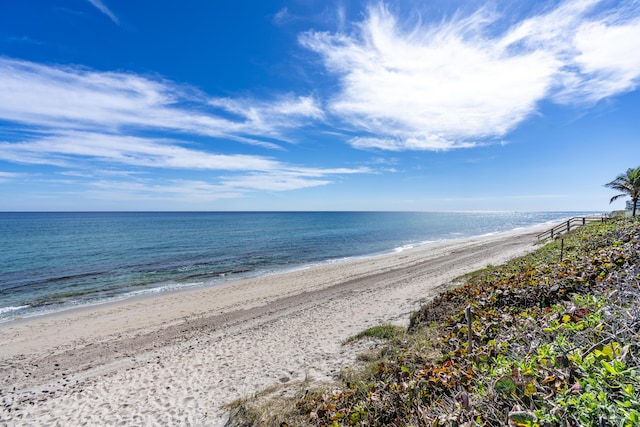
x=468, y=315
x=584, y=220
x=568, y=226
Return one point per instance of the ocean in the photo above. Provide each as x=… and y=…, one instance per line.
x=54, y=261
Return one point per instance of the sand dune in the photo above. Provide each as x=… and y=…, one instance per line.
x=177, y=358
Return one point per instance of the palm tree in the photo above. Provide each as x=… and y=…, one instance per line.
x=629, y=184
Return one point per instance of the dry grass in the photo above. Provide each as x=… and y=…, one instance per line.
x=270, y=407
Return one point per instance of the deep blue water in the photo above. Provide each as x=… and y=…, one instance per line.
x=50, y=261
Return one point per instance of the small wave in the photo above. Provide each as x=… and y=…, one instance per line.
x=213, y=274
x=4, y=310
x=403, y=248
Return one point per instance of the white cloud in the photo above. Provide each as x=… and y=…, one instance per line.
x=83, y=120
x=184, y=191
x=267, y=116
x=72, y=149
x=432, y=85
x=458, y=83
x=281, y=17
x=104, y=9
x=78, y=99
x=608, y=61
x=65, y=149
x=10, y=176
x=273, y=182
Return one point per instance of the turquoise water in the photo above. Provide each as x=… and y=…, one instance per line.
x=52, y=261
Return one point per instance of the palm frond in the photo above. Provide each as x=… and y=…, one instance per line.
x=628, y=184
x=616, y=197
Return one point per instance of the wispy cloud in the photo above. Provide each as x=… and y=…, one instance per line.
x=459, y=83
x=67, y=148
x=104, y=9
x=270, y=117
x=84, y=120
x=606, y=63
x=10, y=176
x=281, y=17
x=277, y=181
x=185, y=191
x=73, y=149
x=64, y=97
x=23, y=40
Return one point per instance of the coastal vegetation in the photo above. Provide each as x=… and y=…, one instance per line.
x=554, y=340
x=628, y=184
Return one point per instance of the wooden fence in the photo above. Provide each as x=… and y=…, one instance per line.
x=565, y=227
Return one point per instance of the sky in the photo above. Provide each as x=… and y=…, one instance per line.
x=219, y=105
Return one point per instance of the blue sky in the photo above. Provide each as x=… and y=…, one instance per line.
x=317, y=105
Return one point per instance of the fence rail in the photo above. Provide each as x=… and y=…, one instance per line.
x=566, y=226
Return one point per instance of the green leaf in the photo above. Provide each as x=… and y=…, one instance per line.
x=529, y=389
x=522, y=418
x=505, y=385
x=609, y=368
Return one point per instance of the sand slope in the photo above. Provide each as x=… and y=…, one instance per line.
x=176, y=359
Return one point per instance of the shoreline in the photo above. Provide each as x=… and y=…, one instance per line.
x=178, y=357
x=171, y=288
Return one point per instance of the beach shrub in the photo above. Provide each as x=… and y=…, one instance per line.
x=554, y=343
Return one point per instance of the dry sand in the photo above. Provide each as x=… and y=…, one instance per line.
x=178, y=358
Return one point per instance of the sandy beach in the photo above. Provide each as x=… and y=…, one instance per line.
x=178, y=358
